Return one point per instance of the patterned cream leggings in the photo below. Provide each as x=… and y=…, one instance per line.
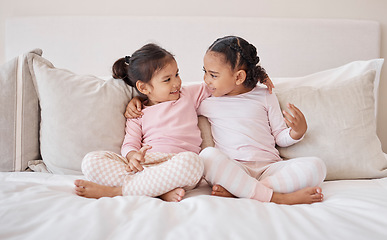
x=162, y=172
x=258, y=180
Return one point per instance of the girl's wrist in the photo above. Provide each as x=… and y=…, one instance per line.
x=295, y=135
x=130, y=154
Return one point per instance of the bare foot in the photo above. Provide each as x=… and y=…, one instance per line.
x=93, y=190
x=218, y=190
x=175, y=195
x=304, y=196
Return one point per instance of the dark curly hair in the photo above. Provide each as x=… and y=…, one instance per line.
x=240, y=54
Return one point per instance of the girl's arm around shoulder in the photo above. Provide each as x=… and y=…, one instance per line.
x=198, y=92
x=269, y=84
x=134, y=108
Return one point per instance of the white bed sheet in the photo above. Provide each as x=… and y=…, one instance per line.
x=44, y=206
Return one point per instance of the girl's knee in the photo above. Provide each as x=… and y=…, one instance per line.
x=90, y=159
x=208, y=153
x=211, y=155
x=192, y=159
x=323, y=167
x=319, y=166
x=192, y=166
x=96, y=155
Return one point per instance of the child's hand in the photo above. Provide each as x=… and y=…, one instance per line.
x=269, y=84
x=136, y=158
x=133, y=110
x=296, y=121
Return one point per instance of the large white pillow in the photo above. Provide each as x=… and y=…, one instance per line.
x=79, y=114
x=339, y=105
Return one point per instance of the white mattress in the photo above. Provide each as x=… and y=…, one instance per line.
x=44, y=206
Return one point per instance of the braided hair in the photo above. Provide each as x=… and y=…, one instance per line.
x=240, y=54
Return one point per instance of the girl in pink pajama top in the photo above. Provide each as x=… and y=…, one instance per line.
x=159, y=155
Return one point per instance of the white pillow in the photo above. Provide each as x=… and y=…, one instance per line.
x=79, y=114
x=339, y=106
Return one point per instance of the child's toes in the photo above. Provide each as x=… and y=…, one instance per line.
x=79, y=191
x=181, y=192
x=77, y=182
x=318, y=190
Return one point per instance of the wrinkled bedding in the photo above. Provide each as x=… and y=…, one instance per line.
x=44, y=206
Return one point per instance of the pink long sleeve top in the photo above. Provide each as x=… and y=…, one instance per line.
x=169, y=127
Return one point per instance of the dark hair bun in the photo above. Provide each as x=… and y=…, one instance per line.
x=120, y=71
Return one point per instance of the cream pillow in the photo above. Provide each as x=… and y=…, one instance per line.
x=19, y=115
x=339, y=106
x=79, y=114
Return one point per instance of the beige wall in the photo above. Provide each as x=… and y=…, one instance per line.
x=351, y=9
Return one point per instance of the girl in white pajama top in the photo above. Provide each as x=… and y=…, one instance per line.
x=247, y=124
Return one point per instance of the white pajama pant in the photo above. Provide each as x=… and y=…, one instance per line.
x=258, y=180
x=162, y=172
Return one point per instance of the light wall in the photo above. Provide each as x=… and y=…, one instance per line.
x=351, y=9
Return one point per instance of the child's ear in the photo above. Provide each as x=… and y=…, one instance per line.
x=142, y=87
x=240, y=77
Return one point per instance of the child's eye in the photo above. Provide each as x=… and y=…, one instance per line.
x=167, y=80
x=213, y=76
x=177, y=74
x=204, y=70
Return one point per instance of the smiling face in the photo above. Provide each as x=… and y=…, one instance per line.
x=219, y=76
x=164, y=85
